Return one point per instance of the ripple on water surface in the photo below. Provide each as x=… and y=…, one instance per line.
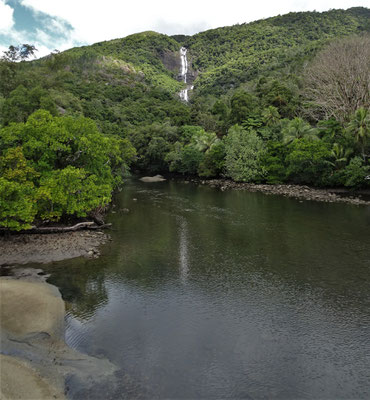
x=203, y=293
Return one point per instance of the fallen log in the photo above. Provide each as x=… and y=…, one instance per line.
x=104, y=226
x=61, y=229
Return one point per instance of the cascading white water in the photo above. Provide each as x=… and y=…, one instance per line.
x=184, y=63
x=184, y=71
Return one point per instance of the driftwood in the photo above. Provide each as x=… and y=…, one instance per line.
x=62, y=229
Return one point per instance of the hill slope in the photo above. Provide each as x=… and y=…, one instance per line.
x=229, y=56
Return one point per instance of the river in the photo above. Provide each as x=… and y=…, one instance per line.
x=210, y=294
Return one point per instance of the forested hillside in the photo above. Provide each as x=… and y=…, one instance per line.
x=284, y=99
x=233, y=55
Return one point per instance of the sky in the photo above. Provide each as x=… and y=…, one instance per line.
x=62, y=24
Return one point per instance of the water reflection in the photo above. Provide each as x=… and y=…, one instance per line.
x=203, y=293
x=183, y=250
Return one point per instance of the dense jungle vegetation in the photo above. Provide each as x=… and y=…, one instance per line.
x=281, y=100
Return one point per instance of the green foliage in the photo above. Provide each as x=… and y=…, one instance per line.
x=56, y=166
x=203, y=141
x=184, y=159
x=213, y=162
x=71, y=191
x=274, y=162
x=153, y=142
x=22, y=102
x=356, y=174
x=231, y=56
x=244, y=154
x=7, y=77
x=308, y=162
x=243, y=104
x=17, y=208
x=330, y=130
x=144, y=52
x=298, y=129
x=359, y=128
x=17, y=190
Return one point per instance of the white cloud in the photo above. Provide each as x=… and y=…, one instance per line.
x=6, y=17
x=96, y=20
x=43, y=42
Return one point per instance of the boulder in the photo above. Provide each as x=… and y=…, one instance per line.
x=20, y=381
x=151, y=179
x=30, y=307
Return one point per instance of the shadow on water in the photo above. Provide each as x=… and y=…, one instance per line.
x=203, y=293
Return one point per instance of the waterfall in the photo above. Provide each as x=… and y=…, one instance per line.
x=184, y=71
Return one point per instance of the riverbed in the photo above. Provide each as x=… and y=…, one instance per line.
x=204, y=293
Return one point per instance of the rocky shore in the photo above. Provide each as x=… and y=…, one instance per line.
x=35, y=362
x=295, y=191
x=45, y=248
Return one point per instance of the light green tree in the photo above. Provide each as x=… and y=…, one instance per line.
x=244, y=152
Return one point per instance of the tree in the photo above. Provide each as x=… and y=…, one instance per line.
x=340, y=155
x=274, y=162
x=244, y=152
x=203, y=140
x=270, y=115
x=214, y=161
x=298, y=129
x=308, y=162
x=56, y=166
x=22, y=102
x=8, y=67
x=356, y=174
x=359, y=128
x=337, y=82
x=242, y=105
x=184, y=159
x=17, y=204
x=16, y=53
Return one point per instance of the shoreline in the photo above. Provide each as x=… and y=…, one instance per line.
x=24, y=248
x=300, y=192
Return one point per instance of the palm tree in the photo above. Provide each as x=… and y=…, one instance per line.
x=203, y=141
x=270, y=115
x=298, y=129
x=359, y=128
x=340, y=155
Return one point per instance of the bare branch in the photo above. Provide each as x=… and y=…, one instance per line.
x=337, y=82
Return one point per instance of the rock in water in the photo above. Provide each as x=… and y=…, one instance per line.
x=150, y=179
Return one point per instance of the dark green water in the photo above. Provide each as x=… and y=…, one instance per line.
x=210, y=294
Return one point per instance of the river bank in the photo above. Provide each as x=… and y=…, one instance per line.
x=45, y=248
x=299, y=192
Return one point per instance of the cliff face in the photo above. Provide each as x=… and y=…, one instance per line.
x=171, y=60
